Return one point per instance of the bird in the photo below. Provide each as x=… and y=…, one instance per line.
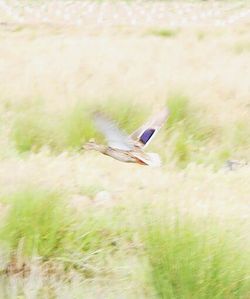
x=128, y=148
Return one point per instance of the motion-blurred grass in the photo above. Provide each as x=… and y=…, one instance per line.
x=181, y=256
x=195, y=260
x=186, y=134
x=70, y=129
x=41, y=223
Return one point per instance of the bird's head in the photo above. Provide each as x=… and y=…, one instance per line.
x=90, y=145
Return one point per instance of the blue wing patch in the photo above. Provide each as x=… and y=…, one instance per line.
x=145, y=137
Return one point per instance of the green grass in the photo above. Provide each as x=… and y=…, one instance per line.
x=33, y=128
x=185, y=258
x=186, y=118
x=242, y=47
x=231, y=143
x=190, y=137
x=195, y=260
x=76, y=127
x=187, y=132
x=163, y=32
x=236, y=134
x=42, y=235
x=38, y=219
x=125, y=112
x=30, y=131
x=42, y=224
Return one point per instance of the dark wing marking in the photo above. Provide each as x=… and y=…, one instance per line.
x=146, y=132
x=146, y=135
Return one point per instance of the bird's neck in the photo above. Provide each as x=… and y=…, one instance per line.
x=95, y=146
x=100, y=148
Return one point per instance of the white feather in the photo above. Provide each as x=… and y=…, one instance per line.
x=115, y=137
x=151, y=159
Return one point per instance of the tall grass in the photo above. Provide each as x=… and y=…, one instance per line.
x=30, y=131
x=34, y=128
x=52, y=244
x=76, y=127
x=191, y=137
x=41, y=223
x=189, y=134
x=38, y=220
x=195, y=260
x=186, y=257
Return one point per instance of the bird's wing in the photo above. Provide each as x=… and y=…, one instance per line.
x=146, y=132
x=114, y=136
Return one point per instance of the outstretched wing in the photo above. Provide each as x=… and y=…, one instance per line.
x=114, y=136
x=146, y=132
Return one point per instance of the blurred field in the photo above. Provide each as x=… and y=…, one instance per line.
x=79, y=224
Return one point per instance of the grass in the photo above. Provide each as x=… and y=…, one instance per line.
x=45, y=234
x=187, y=257
x=190, y=260
x=164, y=32
x=77, y=128
x=61, y=132
x=188, y=132
x=242, y=47
x=125, y=113
x=29, y=132
x=190, y=135
x=38, y=220
x=72, y=128
x=44, y=225
x=52, y=244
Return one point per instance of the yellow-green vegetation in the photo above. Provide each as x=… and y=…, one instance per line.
x=77, y=224
x=162, y=32
x=163, y=248
x=193, y=260
x=44, y=225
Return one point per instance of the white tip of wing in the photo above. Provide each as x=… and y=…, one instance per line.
x=150, y=159
x=154, y=160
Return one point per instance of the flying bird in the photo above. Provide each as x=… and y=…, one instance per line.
x=128, y=148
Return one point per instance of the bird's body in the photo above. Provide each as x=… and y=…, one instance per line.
x=132, y=156
x=128, y=148
x=121, y=155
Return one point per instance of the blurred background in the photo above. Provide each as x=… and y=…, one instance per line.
x=77, y=224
